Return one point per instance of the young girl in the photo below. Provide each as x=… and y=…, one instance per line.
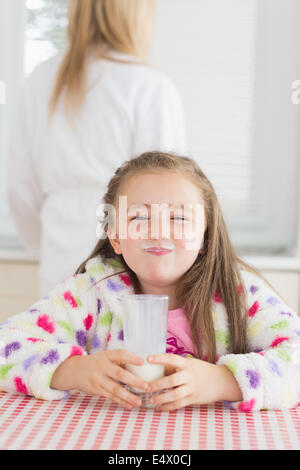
x=230, y=336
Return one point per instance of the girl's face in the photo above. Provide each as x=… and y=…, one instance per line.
x=154, y=218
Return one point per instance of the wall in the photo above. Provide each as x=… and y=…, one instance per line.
x=19, y=287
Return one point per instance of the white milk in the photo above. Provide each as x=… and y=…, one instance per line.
x=147, y=372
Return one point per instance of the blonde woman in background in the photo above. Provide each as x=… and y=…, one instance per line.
x=82, y=114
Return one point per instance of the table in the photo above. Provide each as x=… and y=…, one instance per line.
x=90, y=422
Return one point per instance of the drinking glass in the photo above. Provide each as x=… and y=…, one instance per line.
x=145, y=324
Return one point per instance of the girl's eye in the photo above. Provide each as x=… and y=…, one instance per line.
x=144, y=217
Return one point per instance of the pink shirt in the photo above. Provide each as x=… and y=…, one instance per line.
x=179, y=336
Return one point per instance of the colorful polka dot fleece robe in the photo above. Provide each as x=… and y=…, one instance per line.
x=80, y=318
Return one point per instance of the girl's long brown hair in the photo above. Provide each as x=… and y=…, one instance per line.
x=95, y=27
x=215, y=271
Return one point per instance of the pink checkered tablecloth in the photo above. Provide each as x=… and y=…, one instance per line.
x=90, y=422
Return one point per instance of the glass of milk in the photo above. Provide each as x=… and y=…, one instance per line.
x=145, y=323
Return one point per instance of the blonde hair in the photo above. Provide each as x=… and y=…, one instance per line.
x=215, y=270
x=95, y=27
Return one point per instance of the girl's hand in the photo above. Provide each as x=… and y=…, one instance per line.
x=100, y=374
x=196, y=382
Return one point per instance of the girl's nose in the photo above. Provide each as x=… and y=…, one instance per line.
x=160, y=228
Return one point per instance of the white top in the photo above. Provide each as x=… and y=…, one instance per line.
x=57, y=173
